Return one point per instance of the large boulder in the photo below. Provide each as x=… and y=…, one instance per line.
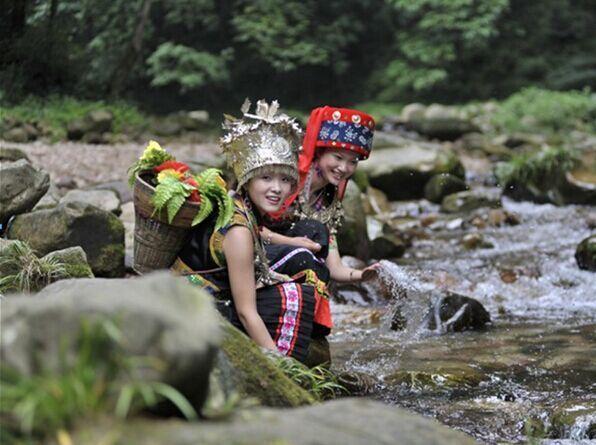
x=402, y=172
x=439, y=122
x=442, y=185
x=103, y=199
x=352, y=237
x=21, y=187
x=74, y=261
x=463, y=202
x=99, y=233
x=159, y=316
x=585, y=254
x=350, y=421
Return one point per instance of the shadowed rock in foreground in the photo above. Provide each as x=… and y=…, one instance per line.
x=339, y=422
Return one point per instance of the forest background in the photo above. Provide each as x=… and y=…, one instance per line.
x=167, y=55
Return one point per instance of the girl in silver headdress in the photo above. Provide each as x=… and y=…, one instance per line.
x=230, y=262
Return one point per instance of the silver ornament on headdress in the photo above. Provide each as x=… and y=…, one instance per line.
x=263, y=140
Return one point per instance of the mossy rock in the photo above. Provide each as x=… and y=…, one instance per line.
x=464, y=202
x=442, y=185
x=12, y=154
x=574, y=418
x=99, y=233
x=74, y=260
x=437, y=378
x=585, y=254
x=254, y=375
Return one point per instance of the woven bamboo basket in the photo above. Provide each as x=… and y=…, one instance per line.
x=156, y=241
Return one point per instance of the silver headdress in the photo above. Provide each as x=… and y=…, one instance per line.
x=261, y=141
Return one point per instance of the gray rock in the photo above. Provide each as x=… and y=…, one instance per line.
x=121, y=188
x=194, y=120
x=50, y=199
x=469, y=201
x=350, y=421
x=438, y=122
x=352, y=237
x=402, y=172
x=76, y=129
x=74, y=260
x=104, y=199
x=18, y=134
x=168, y=126
x=387, y=246
x=94, y=137
x=11, y=154
x=32, y=132
x=160, y=316
x=21, y=187
x=412, y=112
x=99, y=233
x=585, y=254
x=442, y=185
x=100, y=121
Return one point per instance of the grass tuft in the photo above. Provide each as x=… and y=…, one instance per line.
x=319, y=381
x=23, y=271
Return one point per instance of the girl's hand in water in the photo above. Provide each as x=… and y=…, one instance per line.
x=303, y=241
x=371, y=272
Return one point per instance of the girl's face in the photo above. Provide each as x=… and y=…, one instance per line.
x=336, y=165
x=269, y=190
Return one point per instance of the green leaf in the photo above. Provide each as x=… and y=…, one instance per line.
x=174, y=396
x=174, y=205
x=124, y=401
x=204, y=211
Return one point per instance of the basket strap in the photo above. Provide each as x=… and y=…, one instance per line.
x=200, y=272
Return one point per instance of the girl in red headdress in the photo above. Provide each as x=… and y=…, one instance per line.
x=336, y=140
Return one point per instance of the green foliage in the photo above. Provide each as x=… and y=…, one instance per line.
x=101, y=379
x=56, y=111
x=319, y=381
x=436, y=34
x=303, y=52
x=212, y=188
x=188, y=68
x=171, y=194
x=541, y=169
x=23, y=271
x=538, y=110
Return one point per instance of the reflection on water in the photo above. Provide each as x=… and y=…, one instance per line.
x=533, y=370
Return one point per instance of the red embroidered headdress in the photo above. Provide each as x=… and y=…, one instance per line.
x=340, y=128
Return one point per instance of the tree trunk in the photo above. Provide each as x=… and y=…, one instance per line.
x=132, y=53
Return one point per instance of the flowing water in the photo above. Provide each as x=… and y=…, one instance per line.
x=532, y=373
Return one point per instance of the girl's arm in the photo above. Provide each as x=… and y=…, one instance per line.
x=340, y=272
x=272, y=237
x=239, y=252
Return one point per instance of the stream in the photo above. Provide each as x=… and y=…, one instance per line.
x=531, y=375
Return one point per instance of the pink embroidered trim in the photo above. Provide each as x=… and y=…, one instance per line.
x=290, y=319
x=282, y=261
